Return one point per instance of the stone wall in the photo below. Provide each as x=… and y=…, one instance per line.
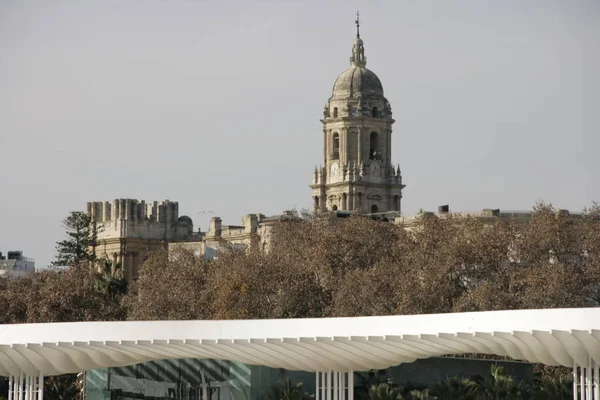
x=128, y=230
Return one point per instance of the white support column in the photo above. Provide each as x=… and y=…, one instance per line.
x=20, y=386
x=343, y=386
x=329, y=384
x=27, y=387
x=10, y=387
x=41, y=387
x=350, y=385
x=323, y=383
x=596, y=381
x=588, y=379
x=575, y=381
x=317, y=397
x=340, y=385
x=581, y=383
x=336, y=385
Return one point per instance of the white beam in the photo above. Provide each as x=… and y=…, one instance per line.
x=41, y=389
x=329, y=385
x=596, y=381
x=589, y=380
x=21, y=386
x=336, y=385
x=350, y=385
x=343, y=386
x=582, y=382
x=317, y=397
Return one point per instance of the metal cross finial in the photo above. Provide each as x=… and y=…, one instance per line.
x=357, y=24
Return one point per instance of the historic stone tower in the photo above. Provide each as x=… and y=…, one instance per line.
x=358, y=174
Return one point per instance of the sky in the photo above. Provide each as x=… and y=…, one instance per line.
x=216, y=104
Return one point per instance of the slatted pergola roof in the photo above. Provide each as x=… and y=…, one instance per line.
x=552, y=337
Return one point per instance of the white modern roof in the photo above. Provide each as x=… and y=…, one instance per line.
x=553, y=337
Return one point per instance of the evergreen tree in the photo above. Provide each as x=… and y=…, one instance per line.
x=81, y=235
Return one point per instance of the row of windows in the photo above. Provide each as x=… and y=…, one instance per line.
x=373, y=146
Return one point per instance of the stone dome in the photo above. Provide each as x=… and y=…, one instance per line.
x=184, y=219
x=357, y=81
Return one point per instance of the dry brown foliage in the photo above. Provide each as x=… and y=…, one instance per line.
x=76, y=294
x=322, y=266
x=171, y=287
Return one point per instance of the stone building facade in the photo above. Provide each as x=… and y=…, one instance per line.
x=128, y=230
x=357, y=172
x=15, y=264
x=255, y=230
x=357, y=176
x=487, y=216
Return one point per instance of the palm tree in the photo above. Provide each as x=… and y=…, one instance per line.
x=385, y=391
x=456, y=389
x=287, y=390
x=505, y=387
x=555, y=389
x=424, y=395
x=374, y=377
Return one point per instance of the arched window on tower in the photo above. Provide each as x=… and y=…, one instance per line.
x=344, y=201
x=334, y=208
x=335, y=112
x=374, y=208
x=375, y=112
x=336, y=146
x=397, y=203
x=373, y=147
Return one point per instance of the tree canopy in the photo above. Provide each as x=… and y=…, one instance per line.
x=320, y=266
x=81, y=237
x=323, y=266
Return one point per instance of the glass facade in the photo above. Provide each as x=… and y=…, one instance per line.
x=191, y=379
x=205, y=379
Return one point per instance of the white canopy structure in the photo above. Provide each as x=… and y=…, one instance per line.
x=568, y=337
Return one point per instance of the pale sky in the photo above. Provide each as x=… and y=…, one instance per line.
x=216, y=104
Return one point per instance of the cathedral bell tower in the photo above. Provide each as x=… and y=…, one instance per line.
x=357, y=173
